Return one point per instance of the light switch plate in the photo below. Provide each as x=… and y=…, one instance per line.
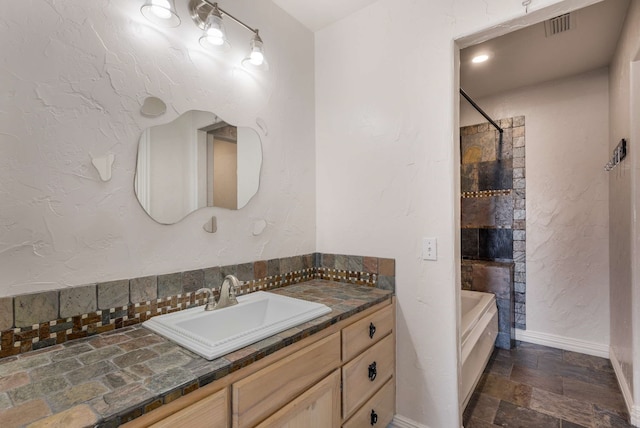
x=429, y=249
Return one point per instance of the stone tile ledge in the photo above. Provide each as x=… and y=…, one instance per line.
x=34, y=321
x=111, y=378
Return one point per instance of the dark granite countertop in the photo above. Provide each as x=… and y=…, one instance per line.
x=111, y=378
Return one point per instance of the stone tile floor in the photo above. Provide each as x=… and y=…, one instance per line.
x=537, y=386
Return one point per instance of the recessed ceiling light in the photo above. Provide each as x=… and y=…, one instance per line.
x=480, y=58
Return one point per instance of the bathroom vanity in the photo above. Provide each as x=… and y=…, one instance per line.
x=342, y=375
x=336, y=370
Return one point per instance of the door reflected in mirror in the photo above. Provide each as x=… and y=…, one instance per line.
x=196, y=161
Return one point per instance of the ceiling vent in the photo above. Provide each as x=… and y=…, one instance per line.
x=559, y=24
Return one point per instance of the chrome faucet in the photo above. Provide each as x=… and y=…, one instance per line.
x=228, y=291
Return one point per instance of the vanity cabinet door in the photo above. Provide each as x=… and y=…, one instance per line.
x=261, y=394
x=362, y=334
x=365, y=374
x=210, y=412
x=319, y=407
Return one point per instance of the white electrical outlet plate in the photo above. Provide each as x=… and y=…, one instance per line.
x=429, y=249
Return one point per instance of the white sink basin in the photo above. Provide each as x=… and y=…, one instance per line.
x=258, y=315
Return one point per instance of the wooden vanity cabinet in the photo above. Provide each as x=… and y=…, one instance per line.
x=343, y=376
x=211, y=411
x=261, y=394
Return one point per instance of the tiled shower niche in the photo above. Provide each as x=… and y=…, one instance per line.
x=492, y=206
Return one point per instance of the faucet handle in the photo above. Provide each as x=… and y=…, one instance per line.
x=211, y=301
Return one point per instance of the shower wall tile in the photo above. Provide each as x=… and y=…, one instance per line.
x=469, y=177
x=483, y=127
x=505, y=123
x=478, y=212
x=518, y=173
x=519, y=256
x=505, y=149
x=478, y=148
x=493, y=225
x=504, y=211
x=518, y=142
x=495, y=175
x=495, y=244
x=518, y=121
x=496, y=278
x=467, y=276
x=518, y=131
x=469, y=243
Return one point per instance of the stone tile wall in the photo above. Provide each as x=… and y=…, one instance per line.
x=33, y=321
x=496, y=278
x=493, y=215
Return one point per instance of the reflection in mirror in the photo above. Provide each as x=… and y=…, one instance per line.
x=196, y=161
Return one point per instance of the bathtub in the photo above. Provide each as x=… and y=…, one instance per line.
x=478, y=333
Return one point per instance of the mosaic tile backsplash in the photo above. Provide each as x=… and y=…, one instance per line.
x=34, y=321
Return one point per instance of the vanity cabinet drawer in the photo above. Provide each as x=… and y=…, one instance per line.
x=378, y=411
x=360, y=335
x=261, y=394
x=212, y=411
x=366, y=373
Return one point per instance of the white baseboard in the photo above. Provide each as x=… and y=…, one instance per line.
x=402, y=422
x=561, y=342
x=634, y=411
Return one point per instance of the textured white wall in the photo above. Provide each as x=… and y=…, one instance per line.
x=387, y=169
x=567, y=132
x=623, y=206
x=73, y=75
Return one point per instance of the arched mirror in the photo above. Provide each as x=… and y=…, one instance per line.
x=196, y=161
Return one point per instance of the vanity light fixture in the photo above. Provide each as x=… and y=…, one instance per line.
x=209, y=17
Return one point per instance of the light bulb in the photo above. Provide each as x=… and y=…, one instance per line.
x=161, y=12
x=161, y=8
x=214, y=36
x=256, y=57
